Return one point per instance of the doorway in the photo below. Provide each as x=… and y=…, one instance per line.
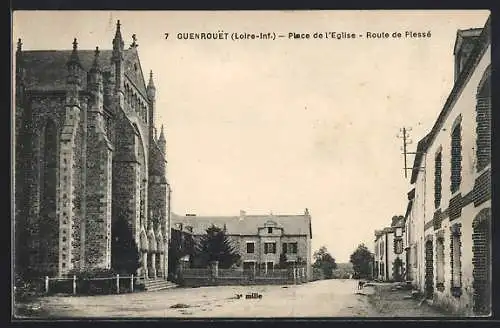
x=429, y=269
x=481, y=261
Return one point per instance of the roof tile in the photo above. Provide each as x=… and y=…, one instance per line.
x=248, y=225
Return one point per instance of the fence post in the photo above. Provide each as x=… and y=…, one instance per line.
x=132, y=283
x=47, y=284
x=74, y=284
x=117, y=283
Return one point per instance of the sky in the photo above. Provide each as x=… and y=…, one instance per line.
x=277, y=126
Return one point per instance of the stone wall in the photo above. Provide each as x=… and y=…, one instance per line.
x=99, y=183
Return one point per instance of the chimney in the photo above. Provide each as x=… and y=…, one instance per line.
x=242, y=214
x=465, y=42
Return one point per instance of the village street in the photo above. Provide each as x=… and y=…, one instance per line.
x=326, y=298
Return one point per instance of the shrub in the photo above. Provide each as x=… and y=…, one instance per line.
x=90, y=282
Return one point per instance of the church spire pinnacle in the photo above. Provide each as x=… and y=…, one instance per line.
x=118, y=43
x=73, y=58
x=134, y=41
x=95, y=64
x=161, y=140
x=151, y=82
x=162, y=134
x=118, y=33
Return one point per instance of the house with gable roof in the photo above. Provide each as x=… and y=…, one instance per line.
x=260, y=239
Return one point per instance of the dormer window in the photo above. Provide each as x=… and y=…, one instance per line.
x=270, y=230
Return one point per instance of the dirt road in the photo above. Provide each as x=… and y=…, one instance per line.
x=327, y=298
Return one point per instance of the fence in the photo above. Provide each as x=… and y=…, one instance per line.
x=215, y=276
x=196, y=273
x=73, y=284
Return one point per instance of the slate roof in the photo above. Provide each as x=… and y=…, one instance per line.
x=417, y=163
x=45, y=70
x=248, y=225
x=482, y=39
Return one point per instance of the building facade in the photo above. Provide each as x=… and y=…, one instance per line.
x=260, y=239
x=450, y=216
x=87, y=154
x=389, y=252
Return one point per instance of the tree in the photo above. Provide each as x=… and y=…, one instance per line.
x=362, y=260
x=124, y=251
x=181, y=244
x=283, y=264
x=324, y=261
x=215, y=245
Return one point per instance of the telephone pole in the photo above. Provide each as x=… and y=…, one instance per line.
x=404, y=134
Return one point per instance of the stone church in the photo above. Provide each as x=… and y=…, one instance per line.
x=87, y=153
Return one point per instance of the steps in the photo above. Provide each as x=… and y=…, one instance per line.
x=158, y=284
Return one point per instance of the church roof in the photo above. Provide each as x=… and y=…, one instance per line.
x=46, y=69
x=248, y=224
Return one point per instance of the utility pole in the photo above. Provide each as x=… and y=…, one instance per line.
x=404, y=134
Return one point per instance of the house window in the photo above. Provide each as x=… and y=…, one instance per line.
x=456, y=265
x=456, y=158
x=437, y=180
x=398, y=246
x=290, y=248
x=248, y=266
x=270, y=266
x=414, y=256
x=483, y=124
x=251, y=248
x=269, y=248
x=269, y=230
x=440, y=263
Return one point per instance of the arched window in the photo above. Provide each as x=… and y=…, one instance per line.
x=483, y=122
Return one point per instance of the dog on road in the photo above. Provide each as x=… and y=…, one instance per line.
x=361, y=284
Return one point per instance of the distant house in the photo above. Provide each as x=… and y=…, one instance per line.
x=260, y=239
x=343, y=271
x=389, y=251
